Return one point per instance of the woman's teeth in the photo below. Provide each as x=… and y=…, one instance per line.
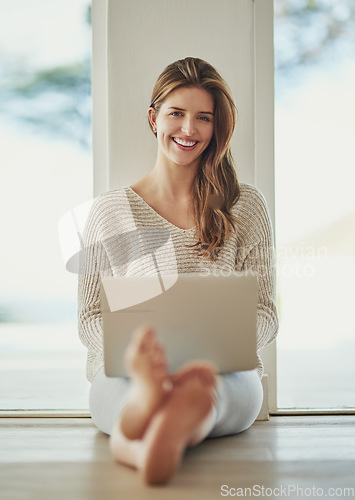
x=184, y=143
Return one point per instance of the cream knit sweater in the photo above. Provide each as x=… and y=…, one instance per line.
x=125, y=236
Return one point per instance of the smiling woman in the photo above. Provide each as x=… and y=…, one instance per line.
x=214, y=224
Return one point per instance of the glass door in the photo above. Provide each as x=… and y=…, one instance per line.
x=315, y=202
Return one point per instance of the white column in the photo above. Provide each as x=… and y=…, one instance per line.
x=134, y=40
x=100, y=130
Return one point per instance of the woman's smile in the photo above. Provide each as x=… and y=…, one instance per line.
x=185, y=144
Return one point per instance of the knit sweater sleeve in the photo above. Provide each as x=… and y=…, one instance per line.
x=258, y=255
x=94, y=264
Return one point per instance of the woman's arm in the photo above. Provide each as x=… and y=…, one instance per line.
x=261, y=259
x=258, y=255
x=94, y=264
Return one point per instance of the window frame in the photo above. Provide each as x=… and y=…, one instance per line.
x=264, y=174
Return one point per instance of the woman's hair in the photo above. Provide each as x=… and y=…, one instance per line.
x=216, y=188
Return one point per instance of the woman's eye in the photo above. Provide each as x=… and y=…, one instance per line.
x=175, y=113
x=205, y=118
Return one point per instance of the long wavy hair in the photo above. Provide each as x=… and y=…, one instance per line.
x=215, y=188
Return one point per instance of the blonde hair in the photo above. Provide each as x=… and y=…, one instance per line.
x=215, y=188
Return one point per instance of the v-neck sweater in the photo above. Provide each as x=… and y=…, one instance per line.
x=124, y=236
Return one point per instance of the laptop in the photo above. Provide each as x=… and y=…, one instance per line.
x=196, y=317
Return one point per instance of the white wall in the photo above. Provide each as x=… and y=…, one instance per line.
x=134, y=40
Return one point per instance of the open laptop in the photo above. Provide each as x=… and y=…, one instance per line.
x=196, y=317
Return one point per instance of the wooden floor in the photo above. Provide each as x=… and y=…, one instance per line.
x=68, y=459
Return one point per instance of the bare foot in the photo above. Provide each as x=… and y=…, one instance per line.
x=178, y=423
x=150, y=383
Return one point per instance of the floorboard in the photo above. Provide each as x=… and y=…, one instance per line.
x=69, y=459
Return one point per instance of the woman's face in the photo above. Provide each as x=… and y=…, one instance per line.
x=184, y=125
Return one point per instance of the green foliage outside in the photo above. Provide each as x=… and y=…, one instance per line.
x=55, y=102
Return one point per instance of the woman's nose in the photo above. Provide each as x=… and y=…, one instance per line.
x=188, y=127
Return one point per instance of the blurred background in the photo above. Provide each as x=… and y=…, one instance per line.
x=315, y=202
x=46, y=169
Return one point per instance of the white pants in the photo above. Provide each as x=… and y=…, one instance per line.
x=238, y=402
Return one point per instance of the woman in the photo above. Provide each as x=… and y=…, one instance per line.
x=213, y=224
